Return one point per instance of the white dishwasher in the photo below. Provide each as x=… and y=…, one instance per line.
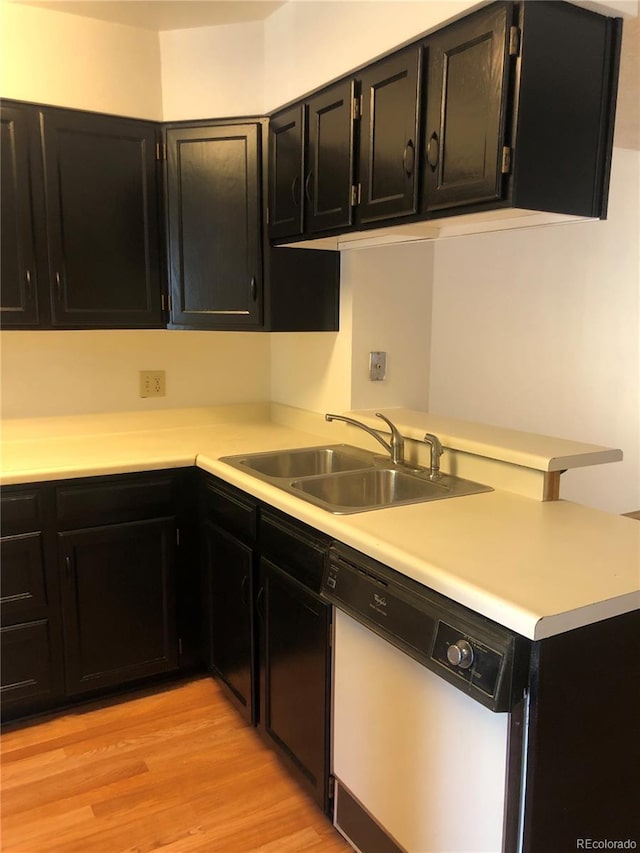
x=427, y=696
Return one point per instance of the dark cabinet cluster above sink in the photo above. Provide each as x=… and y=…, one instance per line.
x=491, y=112
x=111, y=222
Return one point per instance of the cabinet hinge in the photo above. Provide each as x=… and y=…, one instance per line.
x=180, y=645
x=356, y=194
x=506, y=160
x=267, y=216
x=161, y=151
x=177, y=535
x=332, y=787
x=356, y=108
x=514, y=41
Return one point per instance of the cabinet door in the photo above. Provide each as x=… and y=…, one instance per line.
x=118, y=599
x=390, y=136
x=214, y=222
x=229, y=572
x=466, y=109
x=286, y=172
x=28, y=671
x=329, y=180
x=18, y=173
x=102, y=216
x=295, y=675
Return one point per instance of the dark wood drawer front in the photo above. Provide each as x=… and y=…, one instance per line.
x=105, y=502
x=231, y=510
x=295, y=548
x=21, y=513
x=22, y=577
x=26, y=662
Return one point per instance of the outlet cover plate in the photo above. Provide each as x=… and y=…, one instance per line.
x=377, y=366
x=153, y=383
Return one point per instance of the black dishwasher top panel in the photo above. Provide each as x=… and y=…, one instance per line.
x=476, y=655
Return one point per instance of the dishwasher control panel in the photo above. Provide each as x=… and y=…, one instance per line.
x=485, y=660
x=467, y=658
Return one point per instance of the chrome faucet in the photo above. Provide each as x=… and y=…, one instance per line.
x=435, y=453
x=395, y=447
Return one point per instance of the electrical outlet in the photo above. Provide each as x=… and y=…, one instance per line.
x=152, y=383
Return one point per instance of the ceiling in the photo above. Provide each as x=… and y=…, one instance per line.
x=164, y=14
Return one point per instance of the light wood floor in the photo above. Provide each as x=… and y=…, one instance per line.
x=176, y=770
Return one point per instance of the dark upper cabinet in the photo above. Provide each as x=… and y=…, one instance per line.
x=286, y=172
x=391, y=94
x=466, y=109
x=18, y=297
x=215, y=225
x=102, y=220
x=80, y=225
x=328, y=182
x=514, y=118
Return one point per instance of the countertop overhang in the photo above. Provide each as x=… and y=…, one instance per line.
x=538, y=568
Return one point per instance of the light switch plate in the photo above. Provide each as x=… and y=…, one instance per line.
x=377, y=366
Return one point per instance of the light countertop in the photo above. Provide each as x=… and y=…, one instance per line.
x=539, y=568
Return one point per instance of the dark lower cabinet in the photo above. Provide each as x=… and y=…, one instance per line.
x=31, y=670
x=228, y=524
x=295, y=676
x=295, y=650
x=118, y=603
x=229, y=574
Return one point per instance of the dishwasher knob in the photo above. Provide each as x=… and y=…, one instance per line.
x=460, y=654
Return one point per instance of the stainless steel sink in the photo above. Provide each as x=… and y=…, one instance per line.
x=305, y=461
x=356, y=491
x=343, y=479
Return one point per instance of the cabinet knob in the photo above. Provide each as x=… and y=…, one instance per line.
x=433, y=151
x=409, y=158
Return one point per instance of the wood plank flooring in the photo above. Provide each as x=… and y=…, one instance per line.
x=175, y=770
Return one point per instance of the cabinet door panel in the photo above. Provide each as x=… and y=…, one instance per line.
x=329, y=177
x=286, y=172
x=23, y=579
x=118, y=594
x=26, y=665
x=214, y=226
x=296, y=675
x=389, y=140
x=466, y=110
x=230, y=569
x=102, y=211
x=19, y=302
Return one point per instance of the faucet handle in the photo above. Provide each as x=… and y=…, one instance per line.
x=436, y=451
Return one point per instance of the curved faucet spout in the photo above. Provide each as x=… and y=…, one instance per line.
x=395, y=448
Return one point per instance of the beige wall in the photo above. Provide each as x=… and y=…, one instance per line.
x=212, y=72
x=69, y=61
x=58, y=373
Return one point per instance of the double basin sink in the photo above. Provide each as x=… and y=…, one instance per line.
x=344, y=479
